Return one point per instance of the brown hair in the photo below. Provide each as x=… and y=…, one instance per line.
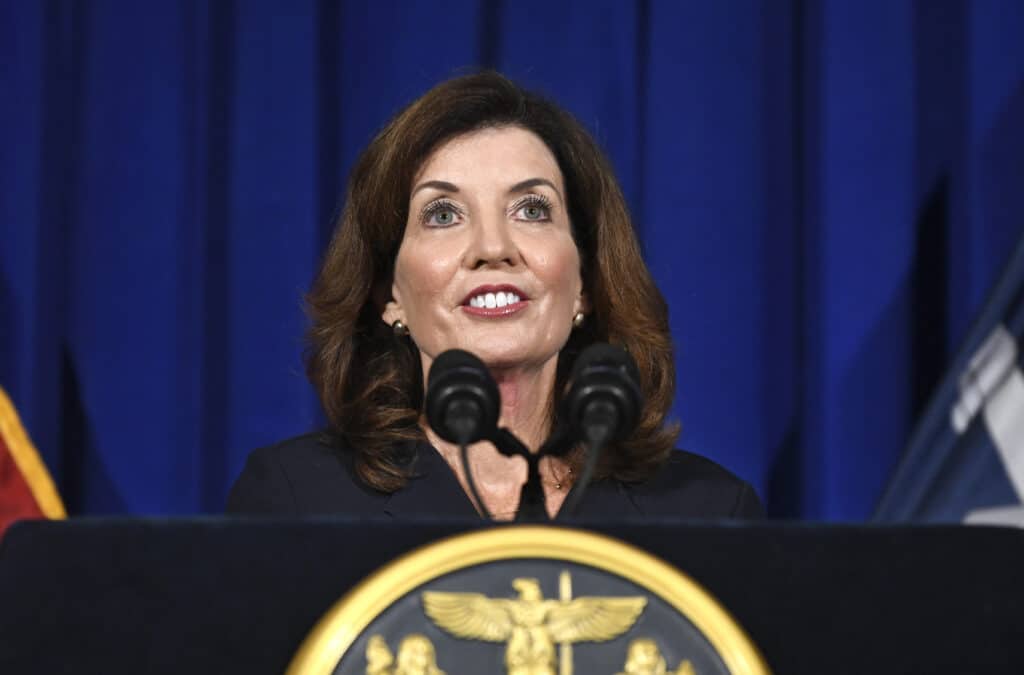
x=370, y=381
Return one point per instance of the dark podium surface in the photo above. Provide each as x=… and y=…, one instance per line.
x=233, y=595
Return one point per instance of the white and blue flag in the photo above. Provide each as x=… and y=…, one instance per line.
x=965, y=461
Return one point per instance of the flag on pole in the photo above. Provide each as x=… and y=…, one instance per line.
x=26, y=489
x=965, y=461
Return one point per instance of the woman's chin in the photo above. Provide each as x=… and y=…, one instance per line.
x=500, y=349
x=512, y=358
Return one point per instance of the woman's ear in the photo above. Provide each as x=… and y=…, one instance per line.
x=384, y=301
x=392, y=313
x=582, y=303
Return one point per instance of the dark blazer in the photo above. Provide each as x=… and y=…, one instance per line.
x=311, y=475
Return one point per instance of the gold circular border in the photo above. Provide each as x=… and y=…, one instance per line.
x=323, y=648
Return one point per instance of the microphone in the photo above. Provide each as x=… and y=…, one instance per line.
x=604, y=399
x=603, y=404
x=462, y=407
x=462, y=399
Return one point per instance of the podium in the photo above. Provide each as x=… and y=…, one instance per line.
x=216, y=595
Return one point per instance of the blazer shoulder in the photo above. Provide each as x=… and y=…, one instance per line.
x=691, y=486
x=312, y=473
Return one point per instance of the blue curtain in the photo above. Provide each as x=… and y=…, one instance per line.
x=825, y=192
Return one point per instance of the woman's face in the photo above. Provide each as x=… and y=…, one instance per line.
x=488, y=263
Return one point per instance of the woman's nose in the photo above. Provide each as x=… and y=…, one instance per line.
x=493, y=243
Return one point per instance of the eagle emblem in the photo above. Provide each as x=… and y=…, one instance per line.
x=531, y=625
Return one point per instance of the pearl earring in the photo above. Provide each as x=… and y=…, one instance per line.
x=577, y=319
x=400, y=329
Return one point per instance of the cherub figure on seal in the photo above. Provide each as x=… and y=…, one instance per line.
x=416, y=656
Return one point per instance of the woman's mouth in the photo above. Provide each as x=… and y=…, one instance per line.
x=494, y=301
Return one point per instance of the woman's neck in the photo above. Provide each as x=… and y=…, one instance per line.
x=525, y=403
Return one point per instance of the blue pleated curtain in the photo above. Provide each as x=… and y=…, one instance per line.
x=825, y=192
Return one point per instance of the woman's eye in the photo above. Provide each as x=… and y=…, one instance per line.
x=440, y=215
x=443, y=217
x=534, y=211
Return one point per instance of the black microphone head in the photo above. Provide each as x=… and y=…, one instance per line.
x=463, y=402
x=604, y=354
x=604, y=375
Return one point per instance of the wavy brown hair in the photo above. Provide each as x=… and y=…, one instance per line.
x=370, y=381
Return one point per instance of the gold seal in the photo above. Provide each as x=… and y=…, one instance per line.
x=528, y=625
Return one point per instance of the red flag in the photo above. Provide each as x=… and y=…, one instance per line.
x=26, y=489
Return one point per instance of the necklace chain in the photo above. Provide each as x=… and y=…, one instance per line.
x=559, y=483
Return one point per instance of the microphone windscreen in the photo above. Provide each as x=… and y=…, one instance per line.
x=603, y=354
x=455, y=359
x=459, y=384
x=603, y=372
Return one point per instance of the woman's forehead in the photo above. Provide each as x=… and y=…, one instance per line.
x=493, y=155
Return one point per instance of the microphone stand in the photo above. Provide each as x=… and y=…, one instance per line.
x=532, y=500
x=533, y=503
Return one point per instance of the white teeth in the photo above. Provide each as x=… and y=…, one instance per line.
x=493, y=300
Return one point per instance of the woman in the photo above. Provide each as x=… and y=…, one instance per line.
x=484, y=218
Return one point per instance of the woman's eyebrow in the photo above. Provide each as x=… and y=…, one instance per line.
x=522, y=186
x=442, y=185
